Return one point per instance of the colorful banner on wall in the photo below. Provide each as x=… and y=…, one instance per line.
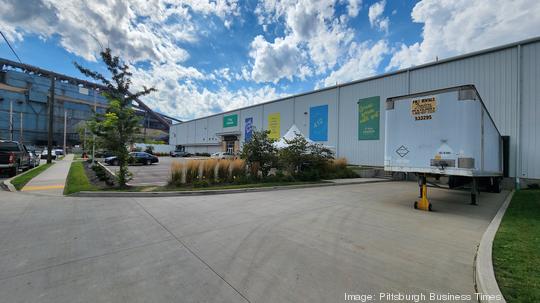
x=248, y=129
x=368, y=118
x=230, y=121
x=274, y=121
x=318, y=123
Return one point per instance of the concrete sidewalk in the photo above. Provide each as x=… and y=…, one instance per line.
x=52, y=180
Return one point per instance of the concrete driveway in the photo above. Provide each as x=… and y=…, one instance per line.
x=304, y=245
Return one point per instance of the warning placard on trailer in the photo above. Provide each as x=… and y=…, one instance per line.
x=423, y=106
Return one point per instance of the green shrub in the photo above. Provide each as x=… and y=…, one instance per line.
x=201, y=183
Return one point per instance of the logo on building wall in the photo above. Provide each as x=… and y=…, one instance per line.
x=318, y=123
x=274, y=125
x=248, y=131
x=369, y=118
x=230, y=121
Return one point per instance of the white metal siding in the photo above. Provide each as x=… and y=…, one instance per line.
x=495, y=75
x=365, y=152
x=530, y=112
x=286, y=110
x=302, y=105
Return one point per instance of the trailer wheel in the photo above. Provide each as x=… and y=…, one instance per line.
x=496, y=186
x=415, y=204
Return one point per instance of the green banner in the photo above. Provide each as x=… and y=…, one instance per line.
x=230, y=121
x=368, y=118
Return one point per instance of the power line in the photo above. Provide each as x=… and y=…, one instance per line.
x=9, y=44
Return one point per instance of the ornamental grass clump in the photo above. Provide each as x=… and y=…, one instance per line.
x=339, y=163
x=192, y=171
x=223, y=170
x=208, y=169
x=238, y=169
x=177, y=173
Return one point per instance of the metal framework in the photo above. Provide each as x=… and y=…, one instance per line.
x=72, y=80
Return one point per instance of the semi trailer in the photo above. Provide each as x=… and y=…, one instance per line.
x=445, y=132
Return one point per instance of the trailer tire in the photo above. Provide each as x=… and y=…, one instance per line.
x=496, y=186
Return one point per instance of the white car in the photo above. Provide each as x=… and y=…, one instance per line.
x=44, y=154
x=222, y=155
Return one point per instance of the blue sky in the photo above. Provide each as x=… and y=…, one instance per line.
x=207, y=56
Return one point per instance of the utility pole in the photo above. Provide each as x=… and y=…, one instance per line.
x=65, y=130
x=94, y=135
x=51, y=122
x=84, y=139
x=11, y=120
x=21, y=129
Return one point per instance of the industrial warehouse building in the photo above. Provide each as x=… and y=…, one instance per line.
x=24, y=107
x=350, y=116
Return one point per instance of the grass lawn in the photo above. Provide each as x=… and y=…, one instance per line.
x=77, y=179
x=20, y=181
x=516, y=249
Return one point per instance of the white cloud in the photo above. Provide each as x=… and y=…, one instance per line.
x=376, y=17
x=354, y=7
x=363, y=61
x=138, y=31
x=461, y=26
x=314, y=35
x=273, y=61
x=180, y=95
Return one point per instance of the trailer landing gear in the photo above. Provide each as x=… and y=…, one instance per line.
x=423, y=203
x=474, y=191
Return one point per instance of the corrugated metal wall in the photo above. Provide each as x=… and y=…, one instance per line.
x=507, y=79
x=530, y=112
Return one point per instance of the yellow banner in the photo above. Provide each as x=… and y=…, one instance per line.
x=274, y=121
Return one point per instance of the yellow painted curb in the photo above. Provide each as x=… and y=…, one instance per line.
x=42, y=187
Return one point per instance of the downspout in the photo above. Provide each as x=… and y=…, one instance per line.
x=518, y=121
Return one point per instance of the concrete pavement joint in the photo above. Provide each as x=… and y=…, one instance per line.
x=484, y=274
x=85, y=258
x=193, y=253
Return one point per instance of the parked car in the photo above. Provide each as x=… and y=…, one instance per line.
x=59, y=151
x=45, y=153
x=222, y=155
x=179, y=153
x=135, y=158
x=34, y=158
x=13, y=157
x=103, y=154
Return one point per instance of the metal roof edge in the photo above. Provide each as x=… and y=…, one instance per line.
x=384, y=75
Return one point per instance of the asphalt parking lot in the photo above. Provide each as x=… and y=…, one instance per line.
x=301, y=245
x=155, y=174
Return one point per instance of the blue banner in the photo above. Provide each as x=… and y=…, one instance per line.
x=318, y=123
x=248, y=131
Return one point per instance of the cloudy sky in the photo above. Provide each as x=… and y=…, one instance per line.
x=209, y=56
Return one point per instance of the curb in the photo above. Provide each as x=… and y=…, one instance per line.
x=484, y=273
x=8, y=186
x=211, y=192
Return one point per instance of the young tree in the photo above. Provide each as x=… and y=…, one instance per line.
x=118, y=126
x=259, y=152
